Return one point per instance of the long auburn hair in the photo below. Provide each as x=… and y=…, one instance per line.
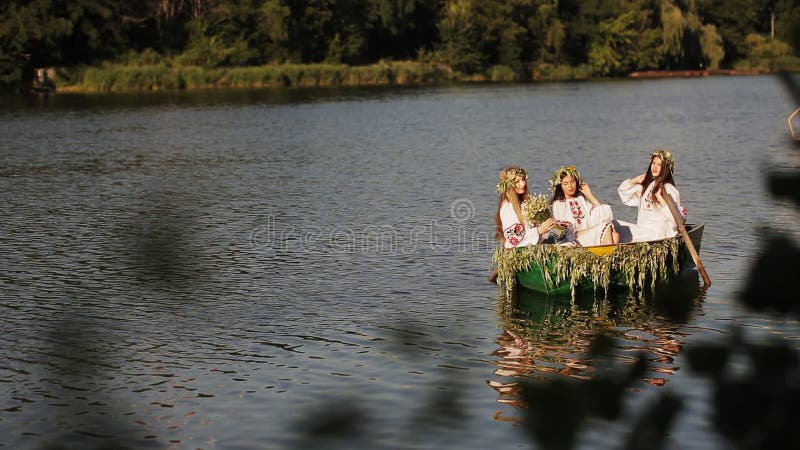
x=664, y=177
x=510, y=195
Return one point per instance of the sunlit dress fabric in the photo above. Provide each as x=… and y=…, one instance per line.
x=517, y=234
x=592, y=222
x=654, y=220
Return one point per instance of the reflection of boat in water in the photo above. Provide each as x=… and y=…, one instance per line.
x=559, y=270
x=546, y=337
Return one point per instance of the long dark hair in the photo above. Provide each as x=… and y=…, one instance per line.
x=558, y=191
x=664, y=177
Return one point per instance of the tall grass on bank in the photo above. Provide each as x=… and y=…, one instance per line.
x=119, y=78
x=158, y=76
x=550, y=72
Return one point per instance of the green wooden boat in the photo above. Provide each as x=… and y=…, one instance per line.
x=556, y=270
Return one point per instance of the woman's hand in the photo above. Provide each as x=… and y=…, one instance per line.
x=546, y=226
x=639, y=179
x=587, y=192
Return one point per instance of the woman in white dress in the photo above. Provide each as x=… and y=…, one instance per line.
x=575, y=206
x=655, y=221
x=510, y=229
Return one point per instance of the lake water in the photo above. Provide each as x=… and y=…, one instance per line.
x=254, y=268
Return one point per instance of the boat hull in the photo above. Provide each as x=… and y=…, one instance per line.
x=542, y=279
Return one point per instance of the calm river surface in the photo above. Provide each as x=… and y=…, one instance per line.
x=248, y=269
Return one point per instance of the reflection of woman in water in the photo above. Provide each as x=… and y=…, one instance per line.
x=544, y=337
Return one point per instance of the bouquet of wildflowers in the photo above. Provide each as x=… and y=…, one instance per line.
x=536, y=210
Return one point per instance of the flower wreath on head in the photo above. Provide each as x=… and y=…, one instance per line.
x=666, y=158
x=511, y=179
x=563, y=171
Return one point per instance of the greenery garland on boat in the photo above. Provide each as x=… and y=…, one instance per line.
x=638, y=262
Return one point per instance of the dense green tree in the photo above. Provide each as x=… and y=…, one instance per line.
x=513, y=33
x=472, y=36
x=787, y=22
x=50, y=32
x=227, y=33
x=158, y=24
x=549, y=27
x=95, y=34
x=581, y=19
x=502, y=35
x=734, y=20
x=272, y=31
x=646, y=52
x=311, y=29
x=682, y=34
x=461, y=37
x=29, y=32
x=711, y=46
x=612, y=50
x=673, y=27
x=399, y=29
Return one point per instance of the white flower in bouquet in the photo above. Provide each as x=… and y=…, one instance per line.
x=536, y=210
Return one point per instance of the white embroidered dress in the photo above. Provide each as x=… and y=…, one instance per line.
x=517, y=234
x=655, y=220
x=592, y=222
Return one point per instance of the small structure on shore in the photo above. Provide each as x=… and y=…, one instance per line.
x=43, y=80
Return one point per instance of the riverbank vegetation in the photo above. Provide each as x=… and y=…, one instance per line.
x=107, y=45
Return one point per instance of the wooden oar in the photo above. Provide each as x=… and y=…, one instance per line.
x=682, y=229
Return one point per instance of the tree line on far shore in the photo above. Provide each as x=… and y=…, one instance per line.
x=472, y=39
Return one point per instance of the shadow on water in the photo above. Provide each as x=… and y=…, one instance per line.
x=79, y=366
x=161, y=252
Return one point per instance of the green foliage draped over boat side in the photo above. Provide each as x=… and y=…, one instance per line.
x=637, y=262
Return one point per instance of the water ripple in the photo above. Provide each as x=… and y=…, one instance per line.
x=177, y=265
